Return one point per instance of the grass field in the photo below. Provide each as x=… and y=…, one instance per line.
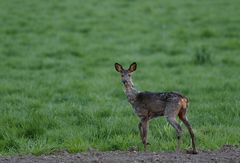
x=59, y=89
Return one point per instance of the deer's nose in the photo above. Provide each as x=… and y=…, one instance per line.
x=124, y=81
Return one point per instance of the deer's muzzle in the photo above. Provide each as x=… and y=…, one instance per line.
x=124, y=82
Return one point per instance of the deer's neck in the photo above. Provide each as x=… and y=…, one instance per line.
x=131, y=92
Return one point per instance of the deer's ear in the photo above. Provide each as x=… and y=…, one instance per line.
x=132, y=67
x=118, y=67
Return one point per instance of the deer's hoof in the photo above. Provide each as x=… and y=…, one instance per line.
x=192, y=152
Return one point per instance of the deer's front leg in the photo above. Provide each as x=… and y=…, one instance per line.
x=144, y=129
x=140, y=130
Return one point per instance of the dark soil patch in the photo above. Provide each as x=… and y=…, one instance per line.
x=227, y=154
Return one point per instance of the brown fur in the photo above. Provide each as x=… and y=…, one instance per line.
x=148, y=105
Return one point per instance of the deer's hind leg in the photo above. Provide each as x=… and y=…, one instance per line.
x=171, y=111
x=183, y=118
x=177, y=127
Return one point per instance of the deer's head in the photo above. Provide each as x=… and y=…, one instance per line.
x=126, y=73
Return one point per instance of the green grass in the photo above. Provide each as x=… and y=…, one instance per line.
x=59, y=89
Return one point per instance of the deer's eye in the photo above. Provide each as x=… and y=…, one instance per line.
x=121, y=75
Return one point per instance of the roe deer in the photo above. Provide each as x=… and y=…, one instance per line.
x=148, y=105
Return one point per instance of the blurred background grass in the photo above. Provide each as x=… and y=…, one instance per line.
x=59, y=89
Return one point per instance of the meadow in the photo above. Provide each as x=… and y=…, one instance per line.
x=59, y=89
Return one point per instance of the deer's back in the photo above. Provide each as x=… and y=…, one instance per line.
x=154, y=104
